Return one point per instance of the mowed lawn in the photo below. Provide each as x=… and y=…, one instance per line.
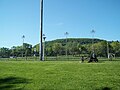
x=59, y=75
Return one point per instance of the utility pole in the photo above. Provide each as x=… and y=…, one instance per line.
x=41, y=29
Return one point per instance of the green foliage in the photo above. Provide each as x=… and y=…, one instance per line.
x=78, y=40
x=57, y=48
x=73, y=46
x=4, y=52
x=27, y=48
x=16, y=51
x=101, y=48
x=116, y=48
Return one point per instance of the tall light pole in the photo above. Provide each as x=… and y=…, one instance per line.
x=66, y=34
x=41, y=30
x=93, y=32
x=108, y=50
x=23, y=37
x=44, y=37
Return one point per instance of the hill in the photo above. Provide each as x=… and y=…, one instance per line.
x=75, y=40
x=74, y=46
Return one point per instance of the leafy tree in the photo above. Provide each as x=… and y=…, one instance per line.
x=73, y=49
x=57, y=48
x=101, y=48
x=4, y=52
x=27, y=49
x=49, y=51
x=116, y=48
x=75, y=46
x=35, y=49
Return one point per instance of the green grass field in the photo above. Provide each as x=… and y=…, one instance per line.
x=59, y=75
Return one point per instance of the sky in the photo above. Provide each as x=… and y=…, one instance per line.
x=77, y=17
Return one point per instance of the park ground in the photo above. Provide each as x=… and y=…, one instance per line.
x=59, y=75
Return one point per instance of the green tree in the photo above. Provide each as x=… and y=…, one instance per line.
x=4, y=52
x=101, y=48
x=57, y=48
x=35, y=50
x=27, y=49
x=116, y=48
x=73, y=48
x=49, y=51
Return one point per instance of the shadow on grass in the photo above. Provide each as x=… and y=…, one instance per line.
x=104, y=88
x=13, y=83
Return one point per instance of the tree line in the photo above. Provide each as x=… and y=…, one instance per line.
x=16, y=51
x=73, y=46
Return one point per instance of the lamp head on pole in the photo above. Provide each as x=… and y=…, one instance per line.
x=23, y=36
x=66, y=33
x=93, y=31
x=44, y=37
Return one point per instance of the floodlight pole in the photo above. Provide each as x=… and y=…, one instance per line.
x=41, y=30
x=44, y=37
x=66, y=34
x=108, y=50
x=23, y=37
x=93, y=32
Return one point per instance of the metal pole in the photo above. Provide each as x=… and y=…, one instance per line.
x=43, y=50
x=108, y=50
x=66, y=33
x=23, y=44
x=41, y=30
x=44, y=47
x=93, y=31
x=66, y=45
x=22, y=47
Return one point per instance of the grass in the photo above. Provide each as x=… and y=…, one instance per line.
x=59, y=75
